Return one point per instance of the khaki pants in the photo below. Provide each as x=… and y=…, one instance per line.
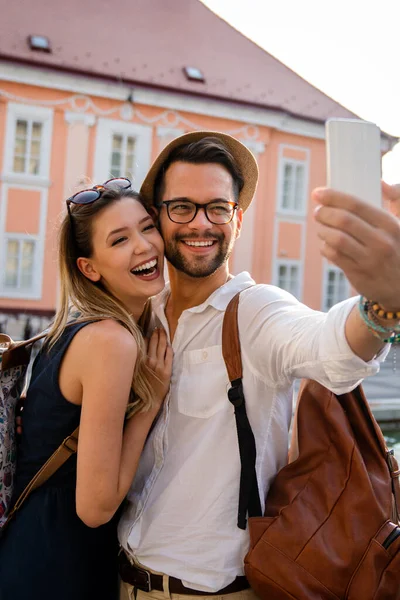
x=127, y=593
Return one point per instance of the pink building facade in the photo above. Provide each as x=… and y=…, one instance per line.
x=60, y=130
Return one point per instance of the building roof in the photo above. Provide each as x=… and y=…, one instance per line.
x=149, y=42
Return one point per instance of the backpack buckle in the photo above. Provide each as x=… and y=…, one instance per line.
x=235, y=393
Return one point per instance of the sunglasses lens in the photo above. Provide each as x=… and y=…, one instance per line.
x=86, y=197
x=120, y=182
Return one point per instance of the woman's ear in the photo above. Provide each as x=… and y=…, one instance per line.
x=86, y=266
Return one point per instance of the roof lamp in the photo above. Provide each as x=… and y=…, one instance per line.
x=193, y=74
x=39, y=42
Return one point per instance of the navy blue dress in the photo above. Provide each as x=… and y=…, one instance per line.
x=47, y=552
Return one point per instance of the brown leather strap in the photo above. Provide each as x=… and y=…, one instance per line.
x=144, y=580
x=231, y=340
x=56, y=460
x=389, y=455
x=395, y=475
x=249, y=498
x=17, y=354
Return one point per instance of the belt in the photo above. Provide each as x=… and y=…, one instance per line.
x=144, y=580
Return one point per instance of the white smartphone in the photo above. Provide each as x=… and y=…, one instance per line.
x=353, y=154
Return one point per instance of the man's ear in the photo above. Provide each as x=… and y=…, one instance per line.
x=239, y=221
x=154, y=212
x=85, y=265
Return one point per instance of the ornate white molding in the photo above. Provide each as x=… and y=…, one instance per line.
x=171, y=103
x=84, y=108
x=74, y=117
x=169, y=132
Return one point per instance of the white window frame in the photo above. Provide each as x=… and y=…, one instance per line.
x=143, y=134
x=290, y=263
x=325, y=280
x=32, y=293
x=305, y=163
x=27, y=112
x=39, y=238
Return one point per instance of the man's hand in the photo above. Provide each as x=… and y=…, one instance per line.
x=392, y=194
x=363, y=241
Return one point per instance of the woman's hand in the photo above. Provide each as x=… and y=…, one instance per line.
x=159, y=360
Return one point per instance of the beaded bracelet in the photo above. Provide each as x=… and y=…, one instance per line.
x=386, y=315
x=391, y=334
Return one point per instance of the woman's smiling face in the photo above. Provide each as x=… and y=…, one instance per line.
x=128, y=253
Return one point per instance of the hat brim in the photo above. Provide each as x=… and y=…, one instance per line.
x=242, y=155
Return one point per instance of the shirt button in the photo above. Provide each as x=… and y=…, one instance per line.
x=205, y=354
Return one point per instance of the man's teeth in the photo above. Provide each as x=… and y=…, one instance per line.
x=210, y=243
x=145, y=266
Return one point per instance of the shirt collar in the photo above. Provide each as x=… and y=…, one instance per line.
x=218, y=299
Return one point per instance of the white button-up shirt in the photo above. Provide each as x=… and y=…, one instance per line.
x=182, y=508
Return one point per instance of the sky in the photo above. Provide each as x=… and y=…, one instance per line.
x=349, y=49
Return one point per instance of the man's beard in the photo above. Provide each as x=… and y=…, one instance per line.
x=198, y=266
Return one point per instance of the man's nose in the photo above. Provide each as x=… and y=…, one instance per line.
x=200, y=220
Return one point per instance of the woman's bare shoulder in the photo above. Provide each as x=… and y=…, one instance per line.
x=106, y=336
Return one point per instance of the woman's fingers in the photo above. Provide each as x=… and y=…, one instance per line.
x=152, y=350
x=157, y=350
x=161, y=346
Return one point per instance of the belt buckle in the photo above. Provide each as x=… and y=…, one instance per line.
x=146, y=585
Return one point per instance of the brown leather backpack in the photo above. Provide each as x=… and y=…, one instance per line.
x=330, y=530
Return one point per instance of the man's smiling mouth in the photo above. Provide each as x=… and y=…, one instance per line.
x=198, y=244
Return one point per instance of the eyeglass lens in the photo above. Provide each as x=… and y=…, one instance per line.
x=89, y=196
x=216, y=212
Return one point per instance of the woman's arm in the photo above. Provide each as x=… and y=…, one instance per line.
x=108, y=453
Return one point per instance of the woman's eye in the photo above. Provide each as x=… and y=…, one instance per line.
x=118, y=241
x=149, y=227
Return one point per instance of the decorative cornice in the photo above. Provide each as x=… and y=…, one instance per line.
x=74, y=117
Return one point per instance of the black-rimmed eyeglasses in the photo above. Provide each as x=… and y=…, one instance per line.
x=94, y=193
x=218, y=212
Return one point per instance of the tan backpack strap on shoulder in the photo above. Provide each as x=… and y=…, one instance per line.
x=249, y=497
x=56, y=460
x=231, y=340
x=17, y=353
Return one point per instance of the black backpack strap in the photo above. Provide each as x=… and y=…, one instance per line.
x=249, y=498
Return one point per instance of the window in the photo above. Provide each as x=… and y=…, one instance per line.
x=19, y=264
x=122, y=150
x=122, y=156
x=28, y=143
x=292, y=197
x=336, y=287
x=288, y=277
x=28, y=139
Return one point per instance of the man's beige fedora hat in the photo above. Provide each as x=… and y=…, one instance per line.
x=242, y=155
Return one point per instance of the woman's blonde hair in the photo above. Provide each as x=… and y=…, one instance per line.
x=91, y=299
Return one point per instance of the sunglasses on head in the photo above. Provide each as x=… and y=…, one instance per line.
x=94, y=193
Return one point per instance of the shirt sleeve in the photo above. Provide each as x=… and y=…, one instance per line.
x=282, y=339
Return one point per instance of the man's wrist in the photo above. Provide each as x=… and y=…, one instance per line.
x=383, y=324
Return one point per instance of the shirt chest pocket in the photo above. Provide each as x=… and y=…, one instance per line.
x=202, y=389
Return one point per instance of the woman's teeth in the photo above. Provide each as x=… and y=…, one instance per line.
x=146, y=268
